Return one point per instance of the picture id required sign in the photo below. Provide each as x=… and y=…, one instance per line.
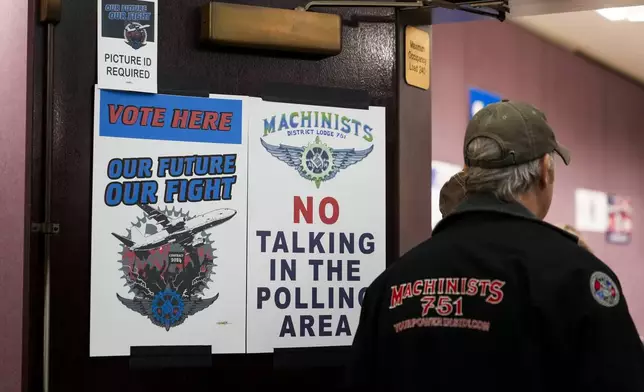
x=127, y=45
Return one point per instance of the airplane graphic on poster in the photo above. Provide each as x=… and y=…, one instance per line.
x=180, y=230
x=170, y=265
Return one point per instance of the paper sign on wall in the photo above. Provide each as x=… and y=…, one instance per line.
x=620, y=220
x=591, y=210
x=316, y=236
x=127, y=45
x=169, y=207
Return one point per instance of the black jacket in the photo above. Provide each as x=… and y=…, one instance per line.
x=497, y=300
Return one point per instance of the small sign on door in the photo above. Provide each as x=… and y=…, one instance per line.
x=127, y=45
x=417, y=57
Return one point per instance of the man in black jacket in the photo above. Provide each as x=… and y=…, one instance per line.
x=497, y=299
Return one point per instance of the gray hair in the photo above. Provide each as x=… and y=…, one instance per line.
x=505, y=183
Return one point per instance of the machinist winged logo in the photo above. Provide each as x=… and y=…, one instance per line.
x=317, y=162
x=167, y=308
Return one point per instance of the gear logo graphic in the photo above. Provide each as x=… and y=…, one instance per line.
x=316, y=162
x=167, y=307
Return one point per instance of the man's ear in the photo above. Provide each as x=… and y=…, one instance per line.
x=551, y=168
x=546, y=177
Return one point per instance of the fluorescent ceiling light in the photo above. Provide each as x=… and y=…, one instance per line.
x=631, y=14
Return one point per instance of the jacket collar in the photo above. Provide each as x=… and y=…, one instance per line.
x=487, y=202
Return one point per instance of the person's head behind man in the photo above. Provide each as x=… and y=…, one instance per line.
x=509, y=151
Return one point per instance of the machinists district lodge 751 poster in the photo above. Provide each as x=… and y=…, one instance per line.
x=316, y=229
x=169, y=207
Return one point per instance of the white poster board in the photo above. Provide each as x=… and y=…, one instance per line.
x=441, y=173
x=169, y=223
x=591, y=210
x=316, y=235
x=127, y=45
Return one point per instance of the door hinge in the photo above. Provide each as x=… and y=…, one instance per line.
x=45, y=228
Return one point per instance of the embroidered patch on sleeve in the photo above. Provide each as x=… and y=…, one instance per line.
x=603, y=289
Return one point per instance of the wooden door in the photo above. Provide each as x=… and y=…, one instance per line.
x=367, y=62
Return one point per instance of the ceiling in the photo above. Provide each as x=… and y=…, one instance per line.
x=615, y=44
x=540, y=7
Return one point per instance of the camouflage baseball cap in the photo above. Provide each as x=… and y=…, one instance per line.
x=520, y=129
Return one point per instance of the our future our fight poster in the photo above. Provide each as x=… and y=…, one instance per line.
x=169, y=211
x=316, y=229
